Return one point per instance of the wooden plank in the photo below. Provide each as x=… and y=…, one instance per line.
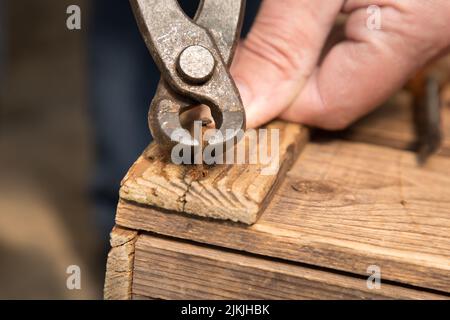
x=169, y=269
x=234, y=192
x=140, y=297
x=392, y=125
x=343, y=206
x=119, y=267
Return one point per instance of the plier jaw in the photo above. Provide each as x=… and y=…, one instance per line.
x=193, y=57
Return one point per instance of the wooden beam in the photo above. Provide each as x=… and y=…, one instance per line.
x=170, y=269
x=344, y=206
x=234, y=192
x=119, y=267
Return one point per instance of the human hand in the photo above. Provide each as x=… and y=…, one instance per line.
x=278, y=74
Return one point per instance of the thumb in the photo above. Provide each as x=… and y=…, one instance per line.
x=280, y=53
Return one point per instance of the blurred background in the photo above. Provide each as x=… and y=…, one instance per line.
x=73, y=118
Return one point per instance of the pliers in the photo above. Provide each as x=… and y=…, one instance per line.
x=193, y=56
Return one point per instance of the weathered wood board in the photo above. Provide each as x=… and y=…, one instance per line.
x=233, y=192
x=169, y=269
x=119, y=267
x=392, y=124
x=343, y=206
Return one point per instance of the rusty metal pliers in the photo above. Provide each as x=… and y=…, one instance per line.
x=194, y=57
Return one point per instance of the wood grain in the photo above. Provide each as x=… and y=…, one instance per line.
x=119, y=267
x=343, y=206
x=233, y=192
x=392, y=124
x=169, y=269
